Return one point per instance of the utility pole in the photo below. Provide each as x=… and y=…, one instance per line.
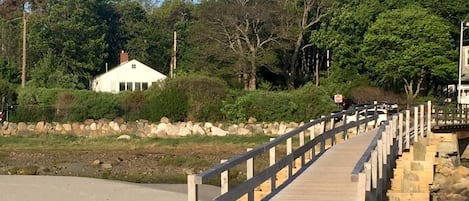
x=23, y=63
x=172, y=65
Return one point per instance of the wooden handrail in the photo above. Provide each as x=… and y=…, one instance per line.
x=248, y=186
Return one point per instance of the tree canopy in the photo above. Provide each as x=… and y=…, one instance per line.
x=250, y=44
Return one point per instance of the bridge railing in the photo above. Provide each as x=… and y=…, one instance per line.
x=453, y=114
x=306, y=152
x=374, y=169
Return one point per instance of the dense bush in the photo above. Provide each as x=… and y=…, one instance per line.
x=298, y=105
x=41, y=104
x=169, y=102
x=205, y=95
x=7, y=93
x=133, y=104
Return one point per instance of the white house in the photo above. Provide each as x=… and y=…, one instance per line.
x=128, y=76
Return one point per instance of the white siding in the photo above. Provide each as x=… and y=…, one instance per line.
x=109, y=81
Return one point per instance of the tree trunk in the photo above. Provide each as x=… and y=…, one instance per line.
x=317, y=68
x=409, y=90
x=252, y=78
x=294, y=61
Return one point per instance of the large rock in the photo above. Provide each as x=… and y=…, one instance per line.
x=172, y=130
x=67, y=128
x=164, y=120
x=183, y=131
x=93, y=126
x=198, y=130
x=40, y=127
x=243, y=131
x=218, y=131
x=252, y=120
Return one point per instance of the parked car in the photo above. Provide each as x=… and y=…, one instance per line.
x=382, y=115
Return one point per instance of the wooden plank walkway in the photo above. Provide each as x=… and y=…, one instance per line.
x=329, y=178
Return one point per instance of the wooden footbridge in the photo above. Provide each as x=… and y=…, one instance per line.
x=322, y=160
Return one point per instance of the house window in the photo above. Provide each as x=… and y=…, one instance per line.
x=144, y=85
x=121, y=86
x=130, y=86
x=138, y=86
x=134, y=66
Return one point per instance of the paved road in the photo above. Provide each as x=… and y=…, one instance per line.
x=59, y=188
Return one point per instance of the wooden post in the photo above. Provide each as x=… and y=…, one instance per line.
x=312, y=152
x=192, y=194
x=379, y=147
x=289, y=151
x=272, y=162
x=374, y=169
x=407, y=129
x=250, y=173
x=368, y=171
x=429, y=117
x=23, y=58
x=302, y=142
x=416, y=124
x=387, y=132
x=422, y=120
x=224, y=180
x=401, y=137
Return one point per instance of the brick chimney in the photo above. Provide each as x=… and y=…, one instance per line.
x=124, y=57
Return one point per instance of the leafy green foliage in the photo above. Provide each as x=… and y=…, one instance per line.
x=170, y=102
x=303, y=104
x=412, y=44
x=205, y=95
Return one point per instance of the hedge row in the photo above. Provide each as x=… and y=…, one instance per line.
x=195, y=98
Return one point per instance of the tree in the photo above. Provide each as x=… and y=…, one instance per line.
x=343, y=33
x=73, y=34
x=244, y=28
x=304, y=15
x=409, y=47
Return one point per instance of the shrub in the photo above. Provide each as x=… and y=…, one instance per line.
x=95, y=105
x=205, y=95
x=170, y=102
x=302, y=104
x=7, y=93
x=133, y=104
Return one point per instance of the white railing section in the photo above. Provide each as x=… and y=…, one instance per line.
x=374, y=169
x=305, y=152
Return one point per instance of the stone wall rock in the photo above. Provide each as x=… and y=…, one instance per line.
x=144, y=128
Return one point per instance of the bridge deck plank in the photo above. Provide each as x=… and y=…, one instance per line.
x=329, y=177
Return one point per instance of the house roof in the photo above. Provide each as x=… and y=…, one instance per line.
x=122, y=65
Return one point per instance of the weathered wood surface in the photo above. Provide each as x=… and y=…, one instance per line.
x=329, y=178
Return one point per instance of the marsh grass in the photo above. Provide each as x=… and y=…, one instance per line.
x=73, y=142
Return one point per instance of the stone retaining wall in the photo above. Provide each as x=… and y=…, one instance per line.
x=144, y=128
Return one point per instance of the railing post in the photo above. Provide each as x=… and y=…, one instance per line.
x=407, y=129
x=313, y=149
x=416, y=125
x=289, y=151
x=422, y=120
x=323, y=123
x=374, y=169
x=192, y=191
x=271, y=163
x=250, y=174
x=302, y=142
x=400, y=139
x=429, y=117
x=224, y=180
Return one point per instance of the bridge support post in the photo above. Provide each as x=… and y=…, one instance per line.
x=250, y=173
x=224, y=180
x=429, y=117
x=422, y=120
x=416, y=124
x=407, y=129
x=192, y=191
x=400, y=139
